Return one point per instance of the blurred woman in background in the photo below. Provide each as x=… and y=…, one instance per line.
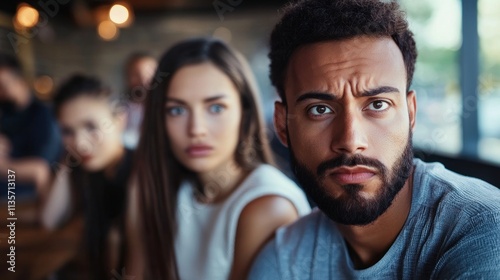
x=93, y=175
x=206, y=197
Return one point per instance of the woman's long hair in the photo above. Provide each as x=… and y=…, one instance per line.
x=159, y=174
x=103, y=207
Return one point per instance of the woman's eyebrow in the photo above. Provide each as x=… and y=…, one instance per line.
x=206, y=100
x=170, y=99
x=213, y=98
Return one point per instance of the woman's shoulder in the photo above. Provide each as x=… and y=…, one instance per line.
x=267, y=180
x=268, y=175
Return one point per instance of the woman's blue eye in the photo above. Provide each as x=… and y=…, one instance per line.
x=319, y=110
x=216, y=108
x=175, y=111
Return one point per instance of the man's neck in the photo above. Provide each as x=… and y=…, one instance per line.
x=368, y=244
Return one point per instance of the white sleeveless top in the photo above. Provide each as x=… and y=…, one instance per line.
x=204, y=245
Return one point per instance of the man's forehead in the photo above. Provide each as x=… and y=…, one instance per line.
x=347, y=49
x=362, y=57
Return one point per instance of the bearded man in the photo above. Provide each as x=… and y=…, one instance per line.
x=343, y=69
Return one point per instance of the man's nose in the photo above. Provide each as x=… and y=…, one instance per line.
x=349, y=134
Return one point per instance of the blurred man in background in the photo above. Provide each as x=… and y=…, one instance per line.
x=139, y=71
x=29, y=138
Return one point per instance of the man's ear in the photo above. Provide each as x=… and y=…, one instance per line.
x=280, y=122
x=411, y=101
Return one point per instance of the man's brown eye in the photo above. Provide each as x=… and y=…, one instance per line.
x=319, y=110
x=378, y=104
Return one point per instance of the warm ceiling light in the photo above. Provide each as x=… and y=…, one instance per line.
x=118, y=14
x=44, y=85
x=27, y=16
x=107, y=30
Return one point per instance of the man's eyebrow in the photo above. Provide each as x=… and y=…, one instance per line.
x=328, y=96
x=379, y=90
x=316, y=95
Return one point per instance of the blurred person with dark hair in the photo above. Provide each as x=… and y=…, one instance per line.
x=207, y=196
x=29, y=139
x=139, y=70
x=343, y=70
x=93, y=175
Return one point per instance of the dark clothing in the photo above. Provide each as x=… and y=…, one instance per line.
x=102, y=201
x=32, y=132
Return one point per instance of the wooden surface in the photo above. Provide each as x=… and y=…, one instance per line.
x=39, y=252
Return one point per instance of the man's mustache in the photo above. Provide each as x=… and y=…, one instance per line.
x=349, y=161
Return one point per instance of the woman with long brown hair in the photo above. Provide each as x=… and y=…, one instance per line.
x=206, y=198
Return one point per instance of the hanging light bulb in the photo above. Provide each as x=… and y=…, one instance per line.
x=26, y=16
x=119, y=14
x=107, y=30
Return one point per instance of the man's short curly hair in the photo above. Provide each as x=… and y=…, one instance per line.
x=311, y=21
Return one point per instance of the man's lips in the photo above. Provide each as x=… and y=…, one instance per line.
x=352, y=175
x=199, y=150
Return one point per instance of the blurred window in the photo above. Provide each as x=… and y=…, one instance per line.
x=437, y=29
x=438, y=32
x=489, y=80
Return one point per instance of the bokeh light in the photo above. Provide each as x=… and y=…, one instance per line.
x=107, y=30
x=27, y=16
x=118, y=14
x=44, y=85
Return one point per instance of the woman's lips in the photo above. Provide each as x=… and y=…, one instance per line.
x=86, y=158
x=354, y=175
x=199, y=150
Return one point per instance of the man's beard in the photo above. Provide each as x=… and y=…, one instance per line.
x=352, y=208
